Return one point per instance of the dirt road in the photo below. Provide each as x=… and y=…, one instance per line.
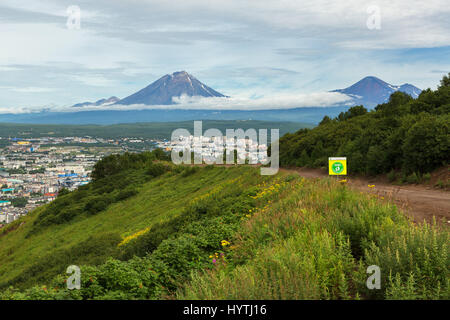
x=418, y=201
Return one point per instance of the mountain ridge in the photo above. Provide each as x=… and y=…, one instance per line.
x=163, y=90
x=101, y=102
x=371, y=91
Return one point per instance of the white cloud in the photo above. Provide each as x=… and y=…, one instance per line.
x=318, y=99
x=28, y=89
x=49, y=7
x=263, y=46
x=20, y=109
x=8, y=68
x=94, y=80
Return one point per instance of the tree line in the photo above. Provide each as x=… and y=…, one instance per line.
x=404, y=135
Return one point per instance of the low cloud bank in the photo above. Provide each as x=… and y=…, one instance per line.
x=319, y=99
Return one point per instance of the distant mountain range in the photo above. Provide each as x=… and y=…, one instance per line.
x=372, y=91
x=101, y=102
x=162, y=92
x=369, y=91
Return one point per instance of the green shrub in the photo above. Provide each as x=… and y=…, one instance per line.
x=125, y=194
x=96, y=205
x=413, y=178
x=63, y=192
x=413, y=262
x=441, y=184
x=392, y=176
x=189, y=171
x=157, y=169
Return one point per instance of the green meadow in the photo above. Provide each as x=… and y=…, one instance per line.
x=146, y=229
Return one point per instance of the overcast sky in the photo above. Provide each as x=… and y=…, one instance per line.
x=244, y=49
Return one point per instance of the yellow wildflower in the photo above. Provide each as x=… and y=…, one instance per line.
x=134, y=236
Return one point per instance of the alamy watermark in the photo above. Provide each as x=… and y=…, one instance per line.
x=374, y=280
x=236, y=147
x=74, y=281
x=374, y=20
x=73, y=17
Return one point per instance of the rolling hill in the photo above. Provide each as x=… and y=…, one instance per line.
x=145, y=229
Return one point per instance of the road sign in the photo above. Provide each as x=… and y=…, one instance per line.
x=337, y=166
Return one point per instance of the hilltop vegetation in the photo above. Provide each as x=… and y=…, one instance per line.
x=404, y=136
x=130, y=193
x=220, y=233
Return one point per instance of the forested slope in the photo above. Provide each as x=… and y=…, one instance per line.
x=405, y=135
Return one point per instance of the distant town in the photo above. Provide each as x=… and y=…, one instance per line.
x=213, y=148
x=34, y=170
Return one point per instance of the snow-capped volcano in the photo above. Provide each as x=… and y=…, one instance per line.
x=162, y=91
x=371, y=91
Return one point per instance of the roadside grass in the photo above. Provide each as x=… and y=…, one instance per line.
x=240, y=235
x=316, y=243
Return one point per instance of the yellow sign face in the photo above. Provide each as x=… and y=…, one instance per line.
x=337, y=166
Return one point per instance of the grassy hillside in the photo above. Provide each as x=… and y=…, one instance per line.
x=405, y=137
x=84, y=227
x=219, y=233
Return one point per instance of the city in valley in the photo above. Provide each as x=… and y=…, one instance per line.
x=34, y=170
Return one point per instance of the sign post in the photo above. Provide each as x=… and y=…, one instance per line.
x=337, y=166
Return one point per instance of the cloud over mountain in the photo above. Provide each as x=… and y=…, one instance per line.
x=317, y=99
x=170, y=86
x=263, y=44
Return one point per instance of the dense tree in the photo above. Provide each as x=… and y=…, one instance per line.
x=427, y=144
x=411, y=135
x=19, y=202
x=351, y=113
x=63, y=192
x=113, y=164
x=445, y=82
x=325, y=120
